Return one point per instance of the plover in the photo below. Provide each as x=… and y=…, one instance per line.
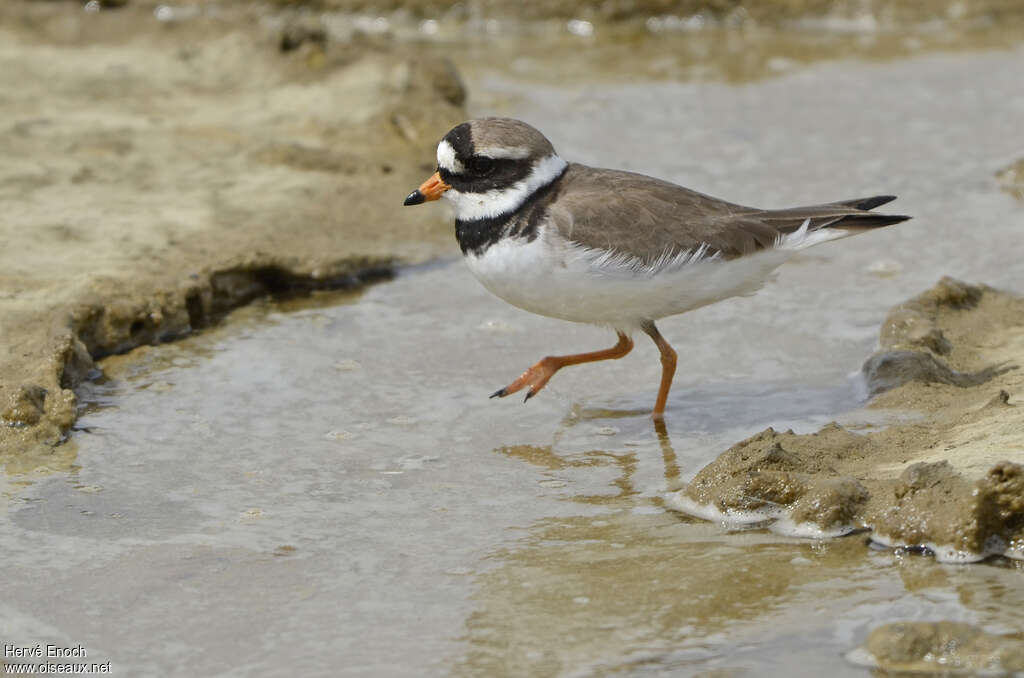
x=610, y=247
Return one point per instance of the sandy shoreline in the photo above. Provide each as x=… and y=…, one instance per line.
x=155, y=180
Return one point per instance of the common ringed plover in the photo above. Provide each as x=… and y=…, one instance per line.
x=609, y=247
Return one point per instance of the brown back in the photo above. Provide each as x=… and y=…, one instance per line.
x=647, y=218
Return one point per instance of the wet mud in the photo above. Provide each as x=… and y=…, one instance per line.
x=951, y=482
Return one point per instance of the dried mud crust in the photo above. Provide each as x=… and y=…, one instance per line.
x=157, y=176
x=952, y=482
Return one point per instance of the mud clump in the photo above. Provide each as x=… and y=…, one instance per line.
x=831, y=504
x=940, y=648
x=780, y=475
x=951, y=483
x=934, y=506
x=26, y=406
x=913, y=343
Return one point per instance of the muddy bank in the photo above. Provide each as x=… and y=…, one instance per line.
x=564, y=42
x=156, y=177
x=951, y=481
x=735, y=11
x=560, y=42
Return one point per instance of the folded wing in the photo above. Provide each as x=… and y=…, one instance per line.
x=647, y=218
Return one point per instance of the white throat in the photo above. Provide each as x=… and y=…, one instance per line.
x=493, y=203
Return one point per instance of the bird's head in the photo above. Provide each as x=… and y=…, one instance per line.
x=489, y=167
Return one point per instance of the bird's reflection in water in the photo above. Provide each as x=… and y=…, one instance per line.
x=546, y=458
x=577, y=414
x=625, y=463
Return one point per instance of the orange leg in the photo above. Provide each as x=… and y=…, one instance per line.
x=538, y=375
x=668, y=368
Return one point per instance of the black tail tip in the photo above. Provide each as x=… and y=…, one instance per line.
x=872, y=202
x=889, y=219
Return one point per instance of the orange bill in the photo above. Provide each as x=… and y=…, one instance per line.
x=431, y=189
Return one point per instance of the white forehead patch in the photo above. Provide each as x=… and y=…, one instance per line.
x=446, y=158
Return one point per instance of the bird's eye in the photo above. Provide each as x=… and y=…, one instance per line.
x=482, y=165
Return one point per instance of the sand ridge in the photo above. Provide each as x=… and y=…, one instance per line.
x=951, y=482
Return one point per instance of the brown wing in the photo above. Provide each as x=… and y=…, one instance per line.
x=646, y=217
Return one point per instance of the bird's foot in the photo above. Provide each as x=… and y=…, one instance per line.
x=536, y=378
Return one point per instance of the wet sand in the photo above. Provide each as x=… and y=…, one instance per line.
x=951, y=482
x=159, y=173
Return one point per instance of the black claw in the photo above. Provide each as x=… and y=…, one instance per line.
x=500, y=393
x=415, y=198
x=529, y=395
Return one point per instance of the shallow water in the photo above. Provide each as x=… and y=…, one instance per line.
x=323, y=485
x=350, y=500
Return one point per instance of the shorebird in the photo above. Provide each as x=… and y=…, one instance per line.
x=609, y=247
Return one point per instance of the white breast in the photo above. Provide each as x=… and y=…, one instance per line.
x=553, y=277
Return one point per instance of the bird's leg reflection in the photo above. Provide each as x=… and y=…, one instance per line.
x=545, y=457
x=668, y=454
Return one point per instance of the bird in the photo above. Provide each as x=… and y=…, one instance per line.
x=609, y=247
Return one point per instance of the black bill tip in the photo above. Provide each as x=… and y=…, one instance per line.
x=415, y=198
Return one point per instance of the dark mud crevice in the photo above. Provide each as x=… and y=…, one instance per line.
x=887, y=370
x=194, y=308
x=119, y=324
x=232, y=288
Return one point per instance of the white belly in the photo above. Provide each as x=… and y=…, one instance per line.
x=552, y=277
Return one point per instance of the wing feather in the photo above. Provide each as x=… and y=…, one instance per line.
x=648, y=219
